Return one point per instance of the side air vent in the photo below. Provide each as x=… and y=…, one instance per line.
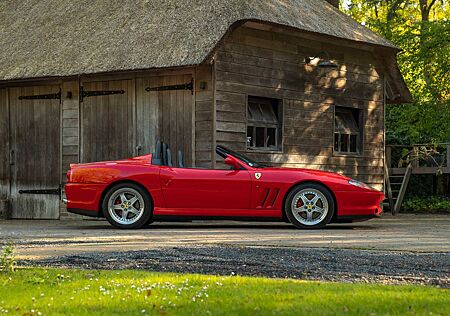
x=268, y=197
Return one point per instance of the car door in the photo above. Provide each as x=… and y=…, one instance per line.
x=213, y=191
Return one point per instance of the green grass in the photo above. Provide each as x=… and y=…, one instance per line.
x=84, y=292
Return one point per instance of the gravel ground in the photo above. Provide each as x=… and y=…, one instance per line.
x=301, y=263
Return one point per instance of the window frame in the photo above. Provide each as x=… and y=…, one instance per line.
x=279, y=128
x=360, y=136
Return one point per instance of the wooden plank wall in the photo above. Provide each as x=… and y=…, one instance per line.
x=70, y=103
x=36, y=141
x=204, y=99
x=147, y=109
x=107, y=125
x=261, y=62
x=4, y=144
x=70, y=125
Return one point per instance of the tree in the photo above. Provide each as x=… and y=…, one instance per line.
x=421, y=28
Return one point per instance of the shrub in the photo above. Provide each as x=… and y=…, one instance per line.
x=434, y=204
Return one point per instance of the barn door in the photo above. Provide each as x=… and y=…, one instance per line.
x=35, y=151
x=107, y=120
x=168, y=102
x=4, y=145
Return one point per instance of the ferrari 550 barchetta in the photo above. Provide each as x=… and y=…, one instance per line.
x=134, y=192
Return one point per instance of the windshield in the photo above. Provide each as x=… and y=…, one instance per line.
x=223, y=152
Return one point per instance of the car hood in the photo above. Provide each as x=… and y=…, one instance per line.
x=313, y=172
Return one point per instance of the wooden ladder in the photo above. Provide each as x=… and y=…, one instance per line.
x=396, y=186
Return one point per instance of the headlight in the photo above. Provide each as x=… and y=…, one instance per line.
x=357, y=183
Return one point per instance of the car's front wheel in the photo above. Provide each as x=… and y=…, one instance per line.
x=309, y=206
x=127, y=205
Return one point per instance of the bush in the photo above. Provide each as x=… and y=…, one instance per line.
x=435, y=204
x=7, y=259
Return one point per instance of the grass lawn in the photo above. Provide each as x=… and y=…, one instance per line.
x=85, y=292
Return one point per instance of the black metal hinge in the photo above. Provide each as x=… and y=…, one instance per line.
x=185, y=86
x=42, y=191
x=86, y=94
x=52, y=96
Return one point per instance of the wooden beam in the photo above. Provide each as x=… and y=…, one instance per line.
x=401, y=194
x=420, y=170
x=388, y=189
x=448, y=155
x=388, y=156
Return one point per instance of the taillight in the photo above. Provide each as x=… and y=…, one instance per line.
x=69, y=175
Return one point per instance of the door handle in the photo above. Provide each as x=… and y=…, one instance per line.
x=11, y=157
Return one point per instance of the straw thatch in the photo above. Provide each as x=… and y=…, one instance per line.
x=45, y=38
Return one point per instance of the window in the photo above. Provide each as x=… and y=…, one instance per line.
x=264, y=117
x=347, y=130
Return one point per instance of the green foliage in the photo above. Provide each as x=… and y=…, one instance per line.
x=88, y=292
x=423, y=34
x=7, y=259
x=434, y=204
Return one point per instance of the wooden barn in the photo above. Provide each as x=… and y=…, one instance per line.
x=294, y=83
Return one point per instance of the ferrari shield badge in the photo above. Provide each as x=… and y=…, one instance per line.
x=257, y=175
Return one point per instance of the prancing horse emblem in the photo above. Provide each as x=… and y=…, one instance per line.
x=258, y=175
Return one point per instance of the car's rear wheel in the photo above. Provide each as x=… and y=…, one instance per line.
x=127, y=205
x=309, y=206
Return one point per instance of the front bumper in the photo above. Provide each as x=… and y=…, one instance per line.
x=359, y=204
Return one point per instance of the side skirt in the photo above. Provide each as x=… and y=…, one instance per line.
x=176, y=218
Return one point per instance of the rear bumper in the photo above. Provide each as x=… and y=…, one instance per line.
x=82, y=197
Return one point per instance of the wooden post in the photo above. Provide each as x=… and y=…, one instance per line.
x=388, y=156
x=448, y=155
x=401, y=194
x=415, y=160
x=387, y=182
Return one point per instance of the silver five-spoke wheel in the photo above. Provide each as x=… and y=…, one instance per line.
x=309, y=206
x=126, y=206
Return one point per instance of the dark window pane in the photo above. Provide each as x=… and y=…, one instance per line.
x=344, y=142
x=264, y=119
x=353, y=145
x=347, y=126
x=344, y=122
x=271, y=134
x=250, y=140
x=336, y=141
x=260, y=137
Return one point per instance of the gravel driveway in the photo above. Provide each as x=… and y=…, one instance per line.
x=401, y=249
x=316, y=264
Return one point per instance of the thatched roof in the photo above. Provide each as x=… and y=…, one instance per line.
x=52, y=38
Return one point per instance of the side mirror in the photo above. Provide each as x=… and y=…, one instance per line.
x=231, y=161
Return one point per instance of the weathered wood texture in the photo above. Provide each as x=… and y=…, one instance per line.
x=175, y=110
x=204, y=105
x=35, y=140
x=107, y=122
x=70, y=125
x=147, y=109
x=70, y=104
x=267, y=64
x=4, y=144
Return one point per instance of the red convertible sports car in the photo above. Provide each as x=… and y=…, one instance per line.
x=134, y=192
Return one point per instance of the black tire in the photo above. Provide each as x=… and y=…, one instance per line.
x=313, y=187
x=146, y=215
